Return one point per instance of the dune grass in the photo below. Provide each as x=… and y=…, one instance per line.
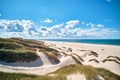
x=94, y=60
x=61, y=74
x=51, y=53
x=114, y=57
x=10, y=45
x=78, y=57
x=13, y=56
x=114, y=60
x=52, y=57
x=18, y=49
x=93, y=53
x=64, y=53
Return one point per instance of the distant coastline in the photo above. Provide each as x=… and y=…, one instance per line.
x=89, y=41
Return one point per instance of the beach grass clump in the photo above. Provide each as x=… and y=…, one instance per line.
x=51, y=53
x=114, y=57
x=10, y=45
x=114, y=60
x=47, y=49
x=78, y=56
x=90, y=72
x=107, y=75
x=93, y=53
x=69, y=49
x=94, y=60
x=13, y=56
x=52, y=58
x=64, y=53
x=76, y=59
x=82, y=50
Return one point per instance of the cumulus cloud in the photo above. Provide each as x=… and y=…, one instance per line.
x=47, y=20
x=71, y=24
x=17, y=27
x=100, y=25
x=69, y=29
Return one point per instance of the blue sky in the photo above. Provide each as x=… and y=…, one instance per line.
x=60, y=18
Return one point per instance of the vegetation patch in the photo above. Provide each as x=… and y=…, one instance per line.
x=52, y=58
x=114, y=57
x=18, y=49
x=94, y=60
x=65, y=54
x=78, y=57
x=13, y=56
x=105, y=60
x=93, y=53
x=90, y=73
x=10, y=45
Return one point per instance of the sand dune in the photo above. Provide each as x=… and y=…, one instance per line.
x=43, y=65
x=44, y=58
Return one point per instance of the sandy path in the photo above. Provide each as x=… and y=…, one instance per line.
x=47, y=67
x=44, y=58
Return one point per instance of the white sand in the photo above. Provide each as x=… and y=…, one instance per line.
x=76, y=76
x=108, y=50
x=44, y=58
x=45, y=66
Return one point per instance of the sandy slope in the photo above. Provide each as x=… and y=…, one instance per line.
x=45, y=66
x=44, y=58
x=76, y=76
x=103, y=52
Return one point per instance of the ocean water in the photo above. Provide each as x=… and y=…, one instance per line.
x=90, y=41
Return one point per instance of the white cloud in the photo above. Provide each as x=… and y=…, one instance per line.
x=100, y=25
x=70, y=29
x=0, y=14
x=92, y=25
x=16, y=25
x=47, y=20
x=71, y=23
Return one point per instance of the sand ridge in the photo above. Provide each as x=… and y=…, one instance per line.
x=81, y=50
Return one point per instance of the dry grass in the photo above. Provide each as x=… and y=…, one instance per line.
x=94, y=60
x=89, y=72
x=105, y=60
x=65, y=54
x=114, y=57
x=93, y=53
x=18, y=49
x=78, y=57
x=52, y=57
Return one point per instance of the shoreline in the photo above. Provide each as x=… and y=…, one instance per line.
x=81, y=43
x=114, y=42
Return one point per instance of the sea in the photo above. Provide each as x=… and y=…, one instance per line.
x=89, y=41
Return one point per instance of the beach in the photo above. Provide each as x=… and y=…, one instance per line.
x=91, y=54
x=103, y=52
